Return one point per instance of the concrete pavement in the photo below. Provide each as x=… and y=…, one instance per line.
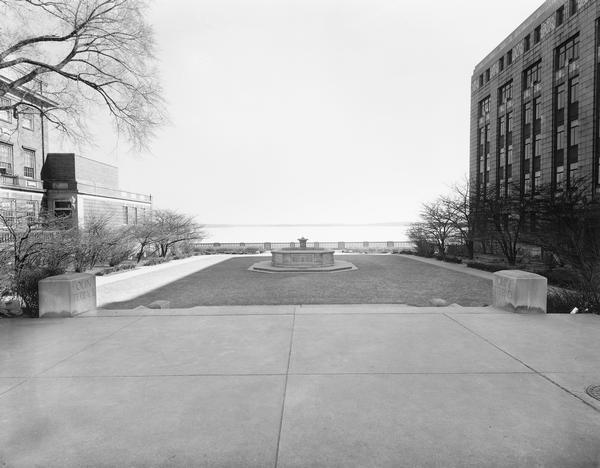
x=287, y=386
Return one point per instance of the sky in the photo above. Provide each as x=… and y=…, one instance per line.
x=311, y=111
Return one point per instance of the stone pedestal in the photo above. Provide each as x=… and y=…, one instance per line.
x=520, y=291
x=67, y=295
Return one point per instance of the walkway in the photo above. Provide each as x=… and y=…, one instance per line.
x=459, y=267
x=297, y=386
x=126, y=285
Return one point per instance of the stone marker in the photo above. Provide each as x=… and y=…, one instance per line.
x=520, y=291
x=67, y=295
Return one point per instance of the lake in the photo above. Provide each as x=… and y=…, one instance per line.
x=315, y=233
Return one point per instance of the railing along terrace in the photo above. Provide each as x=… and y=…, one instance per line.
x=5, y=237
x=114, y=193
x=341, y=245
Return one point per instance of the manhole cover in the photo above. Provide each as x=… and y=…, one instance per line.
x=593, y=391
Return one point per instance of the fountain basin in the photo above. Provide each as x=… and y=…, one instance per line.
x=303, y=260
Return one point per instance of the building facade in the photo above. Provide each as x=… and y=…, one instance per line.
x=63, y=184
x=23, y=144
x=84, y=190
x=535, y=104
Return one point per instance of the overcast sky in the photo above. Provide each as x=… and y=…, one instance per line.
x=313, y=111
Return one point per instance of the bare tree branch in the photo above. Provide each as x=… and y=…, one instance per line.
x=86, y=52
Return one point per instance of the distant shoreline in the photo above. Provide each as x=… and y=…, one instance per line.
x=400, y=223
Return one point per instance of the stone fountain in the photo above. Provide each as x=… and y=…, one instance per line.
x=302, y=259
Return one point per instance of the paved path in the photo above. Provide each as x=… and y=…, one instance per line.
x=129, y=284
x=460, y=267
x=298, y=386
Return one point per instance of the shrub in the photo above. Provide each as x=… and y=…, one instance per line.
x=27, y=287
x=488, y=267
x=156, y=261
x=451, y=259
x=107, y=271
x=561, y=277
x=456, y=250
x=562, y=301
x=425, y=248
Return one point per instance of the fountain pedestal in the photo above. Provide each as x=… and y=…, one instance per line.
x=302, y=259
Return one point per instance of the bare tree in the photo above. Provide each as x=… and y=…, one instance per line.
x=143, y=236
x=420, y=237
x=569, y=227
x=96, y=243
x=459, y=206
x=172, y=228
x=80, y=53
x=438, y=224
x=505, y=219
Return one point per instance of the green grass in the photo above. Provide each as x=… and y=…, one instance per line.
x=380, y=279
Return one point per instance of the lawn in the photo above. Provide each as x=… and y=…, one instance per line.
x=380, y=279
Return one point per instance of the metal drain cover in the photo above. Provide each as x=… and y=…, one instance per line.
x=593, y=391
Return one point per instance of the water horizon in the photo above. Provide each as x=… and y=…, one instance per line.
x=315, y=232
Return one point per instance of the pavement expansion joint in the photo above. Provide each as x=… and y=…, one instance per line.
x=566, y=390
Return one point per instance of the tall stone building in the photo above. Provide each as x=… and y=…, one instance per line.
x=535, y=109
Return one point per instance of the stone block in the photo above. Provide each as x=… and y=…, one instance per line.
x=520, y=291
x=67, y=295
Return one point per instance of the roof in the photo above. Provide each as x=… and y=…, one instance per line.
x=546, y=10
x=29, y=95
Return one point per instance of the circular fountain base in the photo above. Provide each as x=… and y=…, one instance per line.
x=302, y=261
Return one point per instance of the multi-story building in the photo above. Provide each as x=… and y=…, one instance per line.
x=64, y=184
x=23, y=145
x=535, y=103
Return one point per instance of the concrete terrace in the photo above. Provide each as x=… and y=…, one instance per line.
x=297, y=386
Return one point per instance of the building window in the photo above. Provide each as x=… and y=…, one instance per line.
x=560, y=138
x=560, y=98
x=572, y=7
x=533, y=75
x=574, y=133
x=484, y=107
x=527, y=151
x=5, y=114
x=6, y=159
x=8, y=209
x=27, y=118
x=29, y=167
x=487, y=75
x=509, y=57
x=501, y=63
x=527, y=42
x=560, y=177
x=537, y=35
x=560, y=16
x=574, y=90
x=63, y=208
x=537, y=151
x=505, y=94
x=481, y=80
x=31, y=210
x=567, y=52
